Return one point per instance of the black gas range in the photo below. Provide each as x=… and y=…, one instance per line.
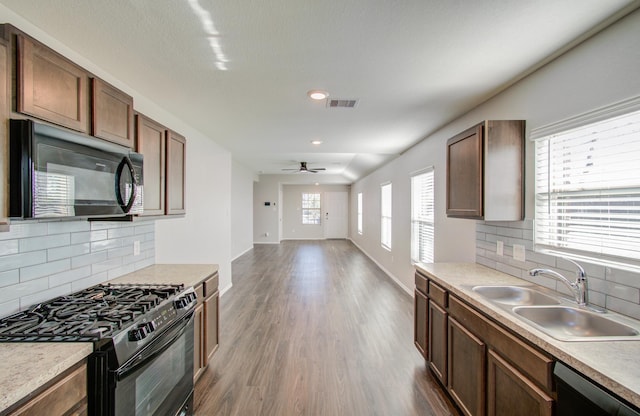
x=142, y=336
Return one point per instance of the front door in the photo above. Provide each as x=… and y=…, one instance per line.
x=336, y=214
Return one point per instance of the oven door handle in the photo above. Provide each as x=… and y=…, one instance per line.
x=152, y=351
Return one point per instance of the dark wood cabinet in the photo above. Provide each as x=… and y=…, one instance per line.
x=420, y=322
x=51, y=87
x=176, y=173
x=206, y=329
x=466, y=369
x=483, y=365
x=485, y=172
x=112, y=113
x=67, y=395
x=512, y=393
x=151, y=143
x=438, y=341
x=4, y=133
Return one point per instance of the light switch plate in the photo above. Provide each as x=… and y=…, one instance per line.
x=500, y=248
x=136, y=248
x=518, y=252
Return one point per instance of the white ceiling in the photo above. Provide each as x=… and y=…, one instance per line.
x=414, y=65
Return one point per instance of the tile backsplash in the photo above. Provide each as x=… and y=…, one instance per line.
x=614, y=289
x=42, y=260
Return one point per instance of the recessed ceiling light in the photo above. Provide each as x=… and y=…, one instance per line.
x=317, y=94
x=317, y=183
x=316, y=142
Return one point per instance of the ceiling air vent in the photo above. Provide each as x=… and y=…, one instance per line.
x=340, y=103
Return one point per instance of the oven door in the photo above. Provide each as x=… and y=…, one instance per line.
x=158, y=380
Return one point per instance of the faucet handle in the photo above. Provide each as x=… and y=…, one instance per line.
x=581, y=273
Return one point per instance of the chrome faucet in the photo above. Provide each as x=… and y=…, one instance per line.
x=578, y=288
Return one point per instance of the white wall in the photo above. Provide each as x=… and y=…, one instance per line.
x=266, y=219
x=203, y=235
x=600, y=71
x=242, y=179
x=292, y=227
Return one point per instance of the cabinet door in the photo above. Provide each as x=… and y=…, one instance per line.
x=420, y=322
x=437, y=341
x=112, y=115
x=150, y=137
x=512, y=393
x=198, y=327
x=4, y=142
x=67, y=396
x=176, y=157
x=211, y=326
x=466, y=369
x=51, y=87
x=464, y=174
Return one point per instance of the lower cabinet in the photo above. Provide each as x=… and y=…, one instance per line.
x=511, y=392
x=67, y=396
x=206, y=334
x=420, y=322
x=466, y=369
x=485, y=368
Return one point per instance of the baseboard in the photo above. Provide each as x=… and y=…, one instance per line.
x=226, y=289
x=243, y=253
x=387, y=272
x=266, y=242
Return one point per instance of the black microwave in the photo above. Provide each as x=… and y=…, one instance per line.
x=56, y=173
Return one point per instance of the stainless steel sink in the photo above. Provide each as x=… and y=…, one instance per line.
x=572, y=324
x=514, y=295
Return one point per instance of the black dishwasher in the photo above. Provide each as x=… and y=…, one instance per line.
x=579, y=396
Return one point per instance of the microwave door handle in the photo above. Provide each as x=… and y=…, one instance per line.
x=133, y=365
x=126, y=205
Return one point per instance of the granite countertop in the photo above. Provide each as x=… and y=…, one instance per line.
x=186, y=274
x=613, y=364
x=25, y=367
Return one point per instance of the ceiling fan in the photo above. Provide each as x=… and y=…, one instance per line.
x=303, y=169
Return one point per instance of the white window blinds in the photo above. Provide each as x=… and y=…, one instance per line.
x=359, y=212
x=311, y=209
x=587, y=184
x=422, y=217
x=385, y=214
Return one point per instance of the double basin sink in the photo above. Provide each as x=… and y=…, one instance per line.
x=557, y=317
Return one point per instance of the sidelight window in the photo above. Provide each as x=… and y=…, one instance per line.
x=385, y=216
x=311, y=208
x=587, y=198
x=422, y=217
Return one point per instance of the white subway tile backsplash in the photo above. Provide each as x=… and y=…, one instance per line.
x=45, y=269
x=617, y=290
x=42, y=260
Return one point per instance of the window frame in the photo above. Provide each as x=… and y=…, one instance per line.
x=317, y=219
x=427, y=221
x=386, y=216
x=561, y=131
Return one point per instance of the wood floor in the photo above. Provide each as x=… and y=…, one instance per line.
x=315, y=328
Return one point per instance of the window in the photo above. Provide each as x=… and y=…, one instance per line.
x=311, y=209
x=587, y=189
x=422, y=217
x=385, y=216
x=359, y=212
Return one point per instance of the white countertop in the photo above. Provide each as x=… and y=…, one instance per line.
x=25, y=367
x=613, y=364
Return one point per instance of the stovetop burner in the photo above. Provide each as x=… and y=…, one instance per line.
x=89, y=315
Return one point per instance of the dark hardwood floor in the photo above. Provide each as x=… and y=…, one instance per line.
x=315, y=328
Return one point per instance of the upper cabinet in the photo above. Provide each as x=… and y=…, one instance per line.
x=112, y=115
x=176, y=172
x=485, y=172
x=51, y=87
x=164, y=154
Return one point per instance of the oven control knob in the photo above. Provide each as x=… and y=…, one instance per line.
x=137, y=334
x=149, y=326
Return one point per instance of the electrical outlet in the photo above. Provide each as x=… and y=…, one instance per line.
x=518, y=252
x=136, y=248
x=500, y=248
